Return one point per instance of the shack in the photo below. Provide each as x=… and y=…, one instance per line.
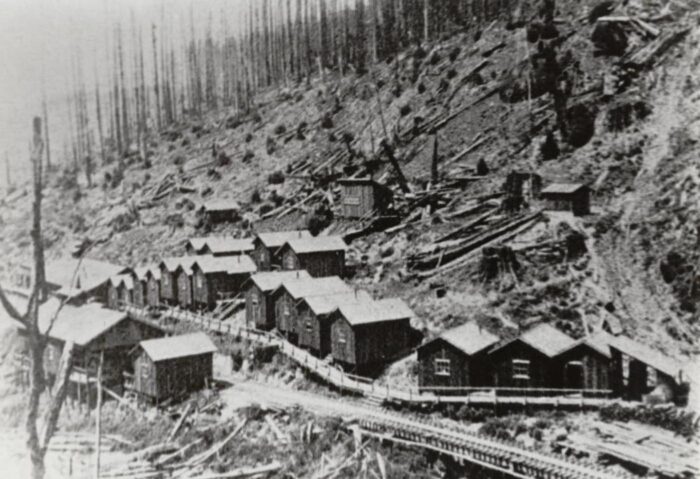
x=172, y=367
x=220, y=211
x=363, y=197
x=287, y=295
x=183, y=276
x=267, y=245
x=140, y=286
x=366, y=335
x=121, y=288
x=314, y=326
x=80, y=280
x=94, y=330
x=259, y=305
x=168, y=280
x=573, y=197
x=320, y=256
x=456, y=359
x=217, y=278
x=219, y=246
x=587, y=363
x=529, y=360
x=153, y=286
x=640, y=372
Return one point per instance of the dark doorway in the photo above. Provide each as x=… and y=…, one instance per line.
x=574, y=375
x=637, y=380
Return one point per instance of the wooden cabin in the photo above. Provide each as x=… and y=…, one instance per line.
x=219, y=246
x=120, y=292
x=140, y=286
x=290, y=292
x=573, y=197
x=367, y=335
x=184, y=280
x=320, y=255
x=313, y=319
x=458, y=358
x=94, y=330
x=640, y=372
x=215, y=278
x=77, y=281
x=363, y=197
x=220, y=211
x=530, y=360
x=173, y=367
x=266, y=247
x=587, y=363
x=168, y=280
x=153, y=286
x=259, y=305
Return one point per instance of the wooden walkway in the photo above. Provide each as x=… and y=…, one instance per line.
x=366, y=387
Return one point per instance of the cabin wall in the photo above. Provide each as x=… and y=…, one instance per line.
x=259, y=308
x=113, y=297
x=428, y=375
x=358, y=200
x=541, y=372
x=152, y=292
x=262, y=256
x=343, y=342
x=145, y=381
x=319, y=265
x=178, y=376
x=595, y=368
x=139, y=293
x=168, y=286
x=370, y=344
x=184, y=288
x=577, y=203
x=285, y=315
x=314, y=331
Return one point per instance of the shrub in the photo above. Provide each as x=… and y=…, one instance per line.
x=275, y=178
x=667, y=417
x=280, y=129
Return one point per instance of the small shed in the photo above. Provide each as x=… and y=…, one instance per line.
x=220, y=211
x=366, y=335
x=259, y=305
x=363, y=197
x=219, y=246
x=215, y=278
x=168, y=280
x=120, y=292
x=639, y=371
x=313, y=321
x=288, y=294
x=587, y=363
x=573, y=197
x=528, y=361
x=320, y=255
x=153, y=286
x=173, y=367
x=267, y=245
x=456, y=359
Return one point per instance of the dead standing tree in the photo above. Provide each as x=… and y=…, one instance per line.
x=38, y=440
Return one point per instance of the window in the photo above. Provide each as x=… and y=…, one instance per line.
x=199, y=281
x=285, y=309
x=521, y=369
x=144, y=371
x=442, y=367
x=309, y=327
x=352, y=200
x=165, y=280
x=50, y=354
x=341, y=337
x=289, y=261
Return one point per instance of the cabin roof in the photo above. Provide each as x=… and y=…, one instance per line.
x=302, y=287
x=224, y=264
x=120, y=279
x=180, y=346
x=277, y=239
x=646, y=355
x=222, y=244
x=221, y=205
x=367, y=312
x=544, y=338
x=80, y=324
x=317, y=244
x=85, y=274
x=326, y=304
x=562, y=188
x=469, y=338
x=173, y=263
x=271, y=280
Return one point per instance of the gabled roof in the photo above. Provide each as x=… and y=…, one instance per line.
x=366, y=312
x=80, y=324
x=180, y=346
x=221, y=205
x=276, y=239
x=224, y=264
x=222, y=244
x=544, y=338
x=469, y=338
x=141, y=272
x=153, y=271
x=302, y=287
x=173, y=263
x=326, y=304
x=317, y=244
x=646, y=355
x=599, y=341
x=271, y=280
x=86, y=274
x=562, y=188
x=120, y=279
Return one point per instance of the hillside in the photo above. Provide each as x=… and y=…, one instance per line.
x=530, y=95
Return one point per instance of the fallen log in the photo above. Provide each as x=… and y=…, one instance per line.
x=646, y=56
x=207, y=454
x=243, y=472
x=466, y=79
x=456, y=232
x=179, y=423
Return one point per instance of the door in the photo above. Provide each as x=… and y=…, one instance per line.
x=574, y=375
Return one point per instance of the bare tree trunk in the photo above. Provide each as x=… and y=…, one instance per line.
x=156, y=82
x=46, y=133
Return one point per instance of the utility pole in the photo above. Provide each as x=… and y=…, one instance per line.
x=98, y=419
